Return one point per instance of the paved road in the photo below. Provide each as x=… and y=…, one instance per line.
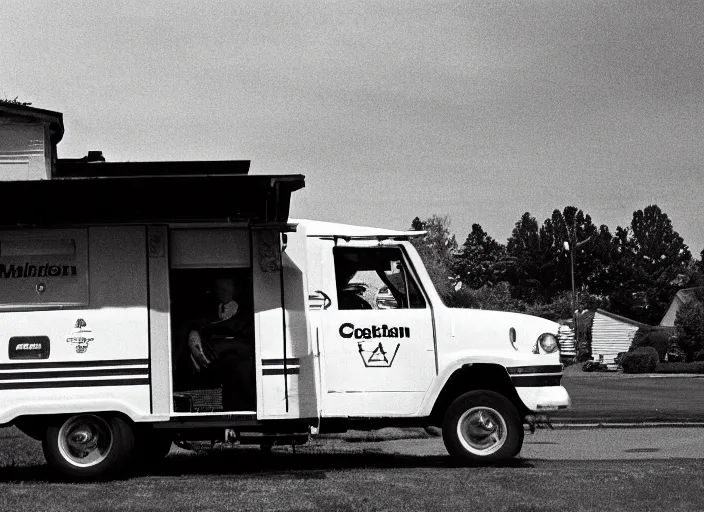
x=617, y=397
x=585, y=445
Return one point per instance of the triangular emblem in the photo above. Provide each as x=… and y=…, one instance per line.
x=378, y=356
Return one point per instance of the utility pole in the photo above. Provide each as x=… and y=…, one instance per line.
x=574, y=291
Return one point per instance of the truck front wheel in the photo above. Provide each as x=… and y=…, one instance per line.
x=482, y=426
x=89, y=446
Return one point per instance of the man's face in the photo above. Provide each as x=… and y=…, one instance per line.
x=224, y=290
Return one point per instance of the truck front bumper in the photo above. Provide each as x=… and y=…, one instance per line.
x=542, y=399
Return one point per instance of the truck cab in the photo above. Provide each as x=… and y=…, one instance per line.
x=130, y=325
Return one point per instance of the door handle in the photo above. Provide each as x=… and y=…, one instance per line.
x=326, y=300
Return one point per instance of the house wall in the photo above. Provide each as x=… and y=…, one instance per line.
x=609, y=337
x=25, y=151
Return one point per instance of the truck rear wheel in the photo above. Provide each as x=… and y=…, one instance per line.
x=482, y=426
x=89, y=446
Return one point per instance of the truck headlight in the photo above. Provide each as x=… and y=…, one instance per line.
x=548, y=342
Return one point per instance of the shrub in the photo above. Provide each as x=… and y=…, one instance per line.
x=689, y=325
x=655, y=337
x=698, y=355
x=675, y=354
x=619, y=358
x=640, y=360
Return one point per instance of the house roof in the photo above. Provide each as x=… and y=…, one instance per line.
x=687, y=294
x=621, y=318
x=683, y=296
x=55, y=120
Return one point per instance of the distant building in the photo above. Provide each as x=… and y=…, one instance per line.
x=612, y=334
x=682, y=297
x=28, y=138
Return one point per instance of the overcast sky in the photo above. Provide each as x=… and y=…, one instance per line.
x=392, y=110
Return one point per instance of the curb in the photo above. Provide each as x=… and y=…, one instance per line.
x=649, y=424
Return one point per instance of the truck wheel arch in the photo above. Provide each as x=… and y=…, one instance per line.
x=35, y=426
x=474, y=377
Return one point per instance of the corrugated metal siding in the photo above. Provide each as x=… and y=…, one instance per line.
x=565, y=339
x=609, y=337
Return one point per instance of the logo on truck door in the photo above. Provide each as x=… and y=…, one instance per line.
x=348, y=330
x=372, y=350
x=375, y=355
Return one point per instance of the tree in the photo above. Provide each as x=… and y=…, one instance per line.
x=15, y=101
x=650, y=255
x=590, y=246
x=437, y=249
x=479, y=261
x=689, y=326
x=524, y=251
x=542, y=266
x=496, y=298
x=661, y=248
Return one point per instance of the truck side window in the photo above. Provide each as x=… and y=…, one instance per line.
x=374, y=278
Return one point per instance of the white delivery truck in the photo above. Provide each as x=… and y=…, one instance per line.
x=183, y=304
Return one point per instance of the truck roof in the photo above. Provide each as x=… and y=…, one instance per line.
x=156, y=198
x=319, y=229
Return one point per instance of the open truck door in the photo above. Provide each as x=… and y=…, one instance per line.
x=261, y=366
x=286, y=370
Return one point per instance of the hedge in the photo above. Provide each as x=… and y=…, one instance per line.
x=640, y=360
x=696, y=367
x=656, y=337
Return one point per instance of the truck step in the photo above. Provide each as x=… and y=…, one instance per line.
x=266, y=439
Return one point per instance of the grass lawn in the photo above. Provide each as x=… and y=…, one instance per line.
x=338, y=475
x=360, y=472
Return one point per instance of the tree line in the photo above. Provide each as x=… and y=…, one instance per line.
x=634, y=272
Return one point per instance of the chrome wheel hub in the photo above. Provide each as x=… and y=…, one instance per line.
x=482, y=430
x=85, y=440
